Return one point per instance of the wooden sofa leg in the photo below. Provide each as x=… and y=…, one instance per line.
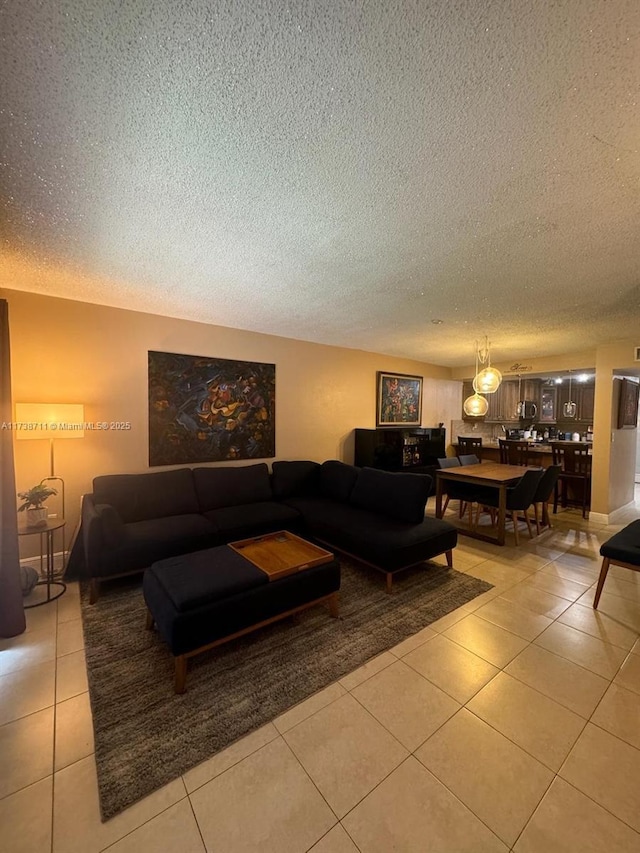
x=601, y=580
x=389, y=582
x=149, y=623
x=449, y=556
x=181, y=674
x=94, y=590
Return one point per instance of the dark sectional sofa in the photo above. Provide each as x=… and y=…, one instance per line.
x=131, y=521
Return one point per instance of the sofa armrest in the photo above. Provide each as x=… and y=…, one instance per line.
x=91, y=534
x=102, y=529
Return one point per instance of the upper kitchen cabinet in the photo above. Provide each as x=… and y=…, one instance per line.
x=548, y=411
x=583, y=395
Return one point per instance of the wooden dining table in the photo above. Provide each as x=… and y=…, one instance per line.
x=494, y=474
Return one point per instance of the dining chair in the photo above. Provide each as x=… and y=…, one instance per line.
x=546, y=487
x=466, y=445
x=466, y=493
x=519, y=498
x=513, y=452
x=469, y=459
x=575, y=461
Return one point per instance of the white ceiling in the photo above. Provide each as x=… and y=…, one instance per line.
x=336, y=171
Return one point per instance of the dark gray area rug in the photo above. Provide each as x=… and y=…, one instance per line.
x=146, y=735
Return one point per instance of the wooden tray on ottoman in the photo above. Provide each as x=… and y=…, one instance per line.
x=281, y=554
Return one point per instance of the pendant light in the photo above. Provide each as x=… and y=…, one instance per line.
x=488, y=380
x=569, y=408
x=475, y=406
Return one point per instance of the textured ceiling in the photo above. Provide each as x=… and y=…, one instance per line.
x=342, y=172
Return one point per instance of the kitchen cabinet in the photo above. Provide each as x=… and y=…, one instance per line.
x=548, y=405
x=583, y=395
x=586, y=403
x=510, y=398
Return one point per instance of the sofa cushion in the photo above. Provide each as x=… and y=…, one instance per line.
x=145, y=542
x=395, y=495
x=384, y=542
x=239, y=522
x=223, y=487
x=199, y=578
x=113, y=528
x=294, y=478
x=337, y=480
x=138, y=497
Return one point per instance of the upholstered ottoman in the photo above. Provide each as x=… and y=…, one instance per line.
x=200, y=600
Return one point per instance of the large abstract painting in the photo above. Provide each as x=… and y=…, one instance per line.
x=209, y=409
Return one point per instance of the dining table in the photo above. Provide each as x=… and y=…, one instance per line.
x=493, y=474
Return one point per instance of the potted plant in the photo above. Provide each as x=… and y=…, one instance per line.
x=33, y=500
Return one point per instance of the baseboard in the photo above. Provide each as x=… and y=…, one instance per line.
x=621, y=514
x=598, y=517
x=34, y=562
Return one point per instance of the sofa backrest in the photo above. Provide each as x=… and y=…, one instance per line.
x=337, y=479
x=295, y=479
x=221, y=487
x=138, y=497
x=395, y=495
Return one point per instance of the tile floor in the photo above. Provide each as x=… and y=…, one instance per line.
x=511, y=724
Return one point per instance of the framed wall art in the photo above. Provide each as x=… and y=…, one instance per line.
x=205, y=409
x=628, y=406
x=399, y=400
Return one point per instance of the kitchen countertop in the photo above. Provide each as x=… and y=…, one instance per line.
x=534, y=446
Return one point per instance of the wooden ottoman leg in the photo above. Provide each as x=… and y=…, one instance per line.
x=389, y=582
x=334, y=605
x=181, y=674
x=601, y=580
x=149, y=624
x=449, y=555
x=94, y=590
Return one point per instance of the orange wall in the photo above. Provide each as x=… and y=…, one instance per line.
x=73, y=352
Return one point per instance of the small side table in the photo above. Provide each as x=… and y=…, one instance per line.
x=47, y=552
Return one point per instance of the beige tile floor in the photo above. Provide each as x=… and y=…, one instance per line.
x=511, y=724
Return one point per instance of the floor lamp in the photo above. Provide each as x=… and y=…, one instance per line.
x=50, y=421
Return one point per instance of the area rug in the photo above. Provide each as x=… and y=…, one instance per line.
x=146, y=735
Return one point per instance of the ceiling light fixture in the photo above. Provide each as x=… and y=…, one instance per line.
x=488, y=380
x=475, y=406
x=569, y=408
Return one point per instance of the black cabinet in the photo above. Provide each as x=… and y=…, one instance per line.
x=416, y=449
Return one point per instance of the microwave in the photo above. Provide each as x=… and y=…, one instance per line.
x=527, y=410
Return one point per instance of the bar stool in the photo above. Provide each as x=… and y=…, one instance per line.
x=468, y=445
x=513, y=452
x=574, y=458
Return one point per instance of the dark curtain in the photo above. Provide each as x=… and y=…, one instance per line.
x=12, y=619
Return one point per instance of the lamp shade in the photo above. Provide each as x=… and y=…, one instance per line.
x=475, y=406
x=49, y=420
x=487, y=381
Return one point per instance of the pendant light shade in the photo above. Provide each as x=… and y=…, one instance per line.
x=569, y=409
x=487, y=381
x=475, y=406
